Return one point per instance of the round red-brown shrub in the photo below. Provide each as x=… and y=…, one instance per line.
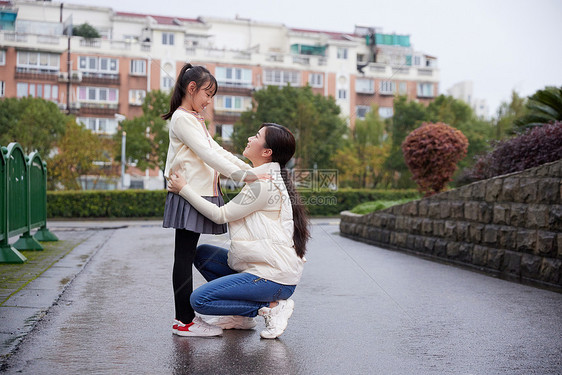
x=432, y=152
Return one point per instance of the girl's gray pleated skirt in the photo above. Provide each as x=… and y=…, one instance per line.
x=179, y=214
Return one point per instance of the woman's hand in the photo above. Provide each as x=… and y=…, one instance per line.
x=176, y=183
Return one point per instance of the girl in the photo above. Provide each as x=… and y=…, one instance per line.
x=195, y=156
x=268, y=231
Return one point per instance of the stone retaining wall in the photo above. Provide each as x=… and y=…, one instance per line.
x=509, y=225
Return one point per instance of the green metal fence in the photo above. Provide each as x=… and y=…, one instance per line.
x=23, y=186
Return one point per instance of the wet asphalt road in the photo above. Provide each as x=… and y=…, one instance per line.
x=359, y=310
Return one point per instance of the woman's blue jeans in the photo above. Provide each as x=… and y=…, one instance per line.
x=229, y=292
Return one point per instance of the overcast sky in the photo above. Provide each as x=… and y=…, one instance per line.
x=501, y=45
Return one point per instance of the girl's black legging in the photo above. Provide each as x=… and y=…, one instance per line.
x=182, y=274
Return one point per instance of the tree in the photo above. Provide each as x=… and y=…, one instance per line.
x=77, y=152
x=508, y=113
x=85, y=30
x=147, y=136
x=449, y=110
x=314, y=120
x=459, y=115
x=544, y=106
x=432, y=152
x=407, y=116
x=35, y=123
x=360, y=161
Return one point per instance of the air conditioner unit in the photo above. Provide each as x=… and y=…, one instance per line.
x=76, y=76
x=63, y=76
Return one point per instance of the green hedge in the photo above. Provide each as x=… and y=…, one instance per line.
x=368, y=207
x=106, y=203
x=150, y=203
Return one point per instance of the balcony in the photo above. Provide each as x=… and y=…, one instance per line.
x=226, y=117
x=235, y=88
x=425, y=72
x=275, y=57
x=100, y=78
x=92, y=43
x=400, y=70
x=36, y=75
x=96, y=109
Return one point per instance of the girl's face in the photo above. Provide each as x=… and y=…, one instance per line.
x=255, y=149
x=198, y=100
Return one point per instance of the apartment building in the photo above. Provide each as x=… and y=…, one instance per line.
x=100, y=80
x=465, y=91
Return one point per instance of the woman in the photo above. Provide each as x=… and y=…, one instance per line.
x=268, y=231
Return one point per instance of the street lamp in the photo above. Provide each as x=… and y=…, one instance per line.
x=119, y=118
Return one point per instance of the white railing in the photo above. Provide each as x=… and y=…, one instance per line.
x=400, y=70
x=93, y=43
x=48, y=39
x=425, y=72
x=15, y=37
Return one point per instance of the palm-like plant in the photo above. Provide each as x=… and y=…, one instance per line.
x=544, y=106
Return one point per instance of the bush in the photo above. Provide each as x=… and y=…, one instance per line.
x=536, y=146
x=432, y=152
x=106, y=203
x=147, y=203
x=86, y=31
x=368, y=207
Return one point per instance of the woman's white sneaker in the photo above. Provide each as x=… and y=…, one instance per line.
x=232, y=322
x=198, y=327
x=276, y=318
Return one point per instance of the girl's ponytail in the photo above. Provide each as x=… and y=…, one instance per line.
x=178, y=94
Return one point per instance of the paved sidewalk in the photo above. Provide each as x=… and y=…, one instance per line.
x=359, y=309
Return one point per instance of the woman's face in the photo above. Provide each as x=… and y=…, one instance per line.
x=255, y=149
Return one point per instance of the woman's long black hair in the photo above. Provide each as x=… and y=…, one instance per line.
x=282, y=144
x=203, y=80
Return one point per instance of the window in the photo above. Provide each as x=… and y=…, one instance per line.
x=362, y=110
x=138, y=67
x=45, y=91
x=342, y=94
x=167, y=83
x=168, y=39
x=2, y=88
x=342, y=53
x=316, y=80
x=22, y=90
x=417, y=60
x=365, y=86
x=232, y=103
x=94, y=64
x=425, y=90
x=387, y=88
x=234, y=77
x=386, y=112
x=136, y=97
x=38, y=61
x=402, y=88
x=225, y=131
x=2, y=57
x=99, y=125
x=281, y=77
x=98, y=94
